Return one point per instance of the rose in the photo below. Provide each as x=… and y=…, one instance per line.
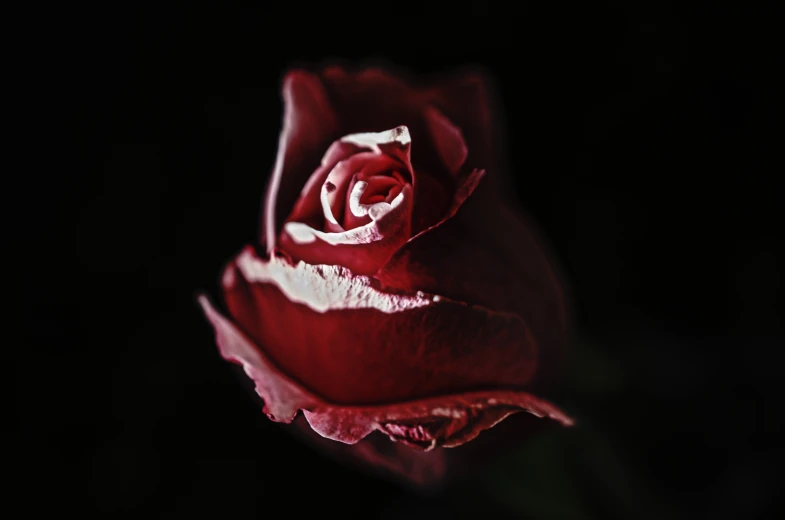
x=392, y=290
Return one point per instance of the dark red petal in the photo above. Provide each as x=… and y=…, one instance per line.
x=377, y=455
x=447, y=140
x=460, y=416
x=427, y=469
x=309, y=126
x=490, y=257
x=372, y=99
x=308, y=207
x=282, y=397
x=352, y=343
x=362, y=249
x=367, y=240
x=431, y=213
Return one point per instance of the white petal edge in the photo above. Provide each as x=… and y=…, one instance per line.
x=325, y=287
x=304, y=234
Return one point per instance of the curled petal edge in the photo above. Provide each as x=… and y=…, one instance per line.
x=442, y=421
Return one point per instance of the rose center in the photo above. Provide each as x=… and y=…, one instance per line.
x=349, y=197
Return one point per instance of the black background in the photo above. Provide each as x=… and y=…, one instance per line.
x=642, y=139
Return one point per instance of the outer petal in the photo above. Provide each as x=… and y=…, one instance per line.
x=467, y=99
x=309, y=126
x=308, y=208
x=427, y=469
x=458, y=113
x=447, y=140
x=487, y=255
x=448, y=421
x=371, y=97
x=391, y=460
x=352, y=343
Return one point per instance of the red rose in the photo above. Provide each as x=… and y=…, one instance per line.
x=387, y=294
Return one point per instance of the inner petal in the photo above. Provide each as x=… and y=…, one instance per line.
x=379, y=186
x=367, y=191
x=331, y=223
x=379, y=171
x=341, y=178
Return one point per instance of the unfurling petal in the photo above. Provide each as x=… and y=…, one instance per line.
x=446, y=420
x=352, y=343
x=363, y=249
x=367, y=235
x=309, y=126
x=493, y=258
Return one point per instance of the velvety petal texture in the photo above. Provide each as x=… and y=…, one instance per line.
x=393, y=294
x=310, y=124
x=489, y=257
x=348, y=403
x=356, y=209
x=320, y=108
x=352, y=343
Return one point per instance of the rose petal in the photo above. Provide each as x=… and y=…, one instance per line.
x=467, y=98
x=489, y=256
x=395, y=143
x=307, y=209
x=338, y=99
x=369, y=233
x=447, y=139
x=309, y=126
x=282, y=397
x=371, y=98
x=344, y=158
x=363, y=249
x=353, y=343
x=463, y=99
x=426, y=470
x=460, y=417
x=466, y=187
x=391, y=460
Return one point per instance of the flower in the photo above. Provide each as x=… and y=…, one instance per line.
x=392, y=289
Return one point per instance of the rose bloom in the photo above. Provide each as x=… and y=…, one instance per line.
x=392, y=289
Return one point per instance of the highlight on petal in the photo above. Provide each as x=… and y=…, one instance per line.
x=282, y=397
x=327, y=210
x=465, y=100
x=332, y=320
x=375, y=169
x=363, y=249
x=370, y=98
x=309, y=126
x=320, y=287
x=446, y=421
x=424, y=424
x=395, y=142
x=352, y=343
x=309, y=202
